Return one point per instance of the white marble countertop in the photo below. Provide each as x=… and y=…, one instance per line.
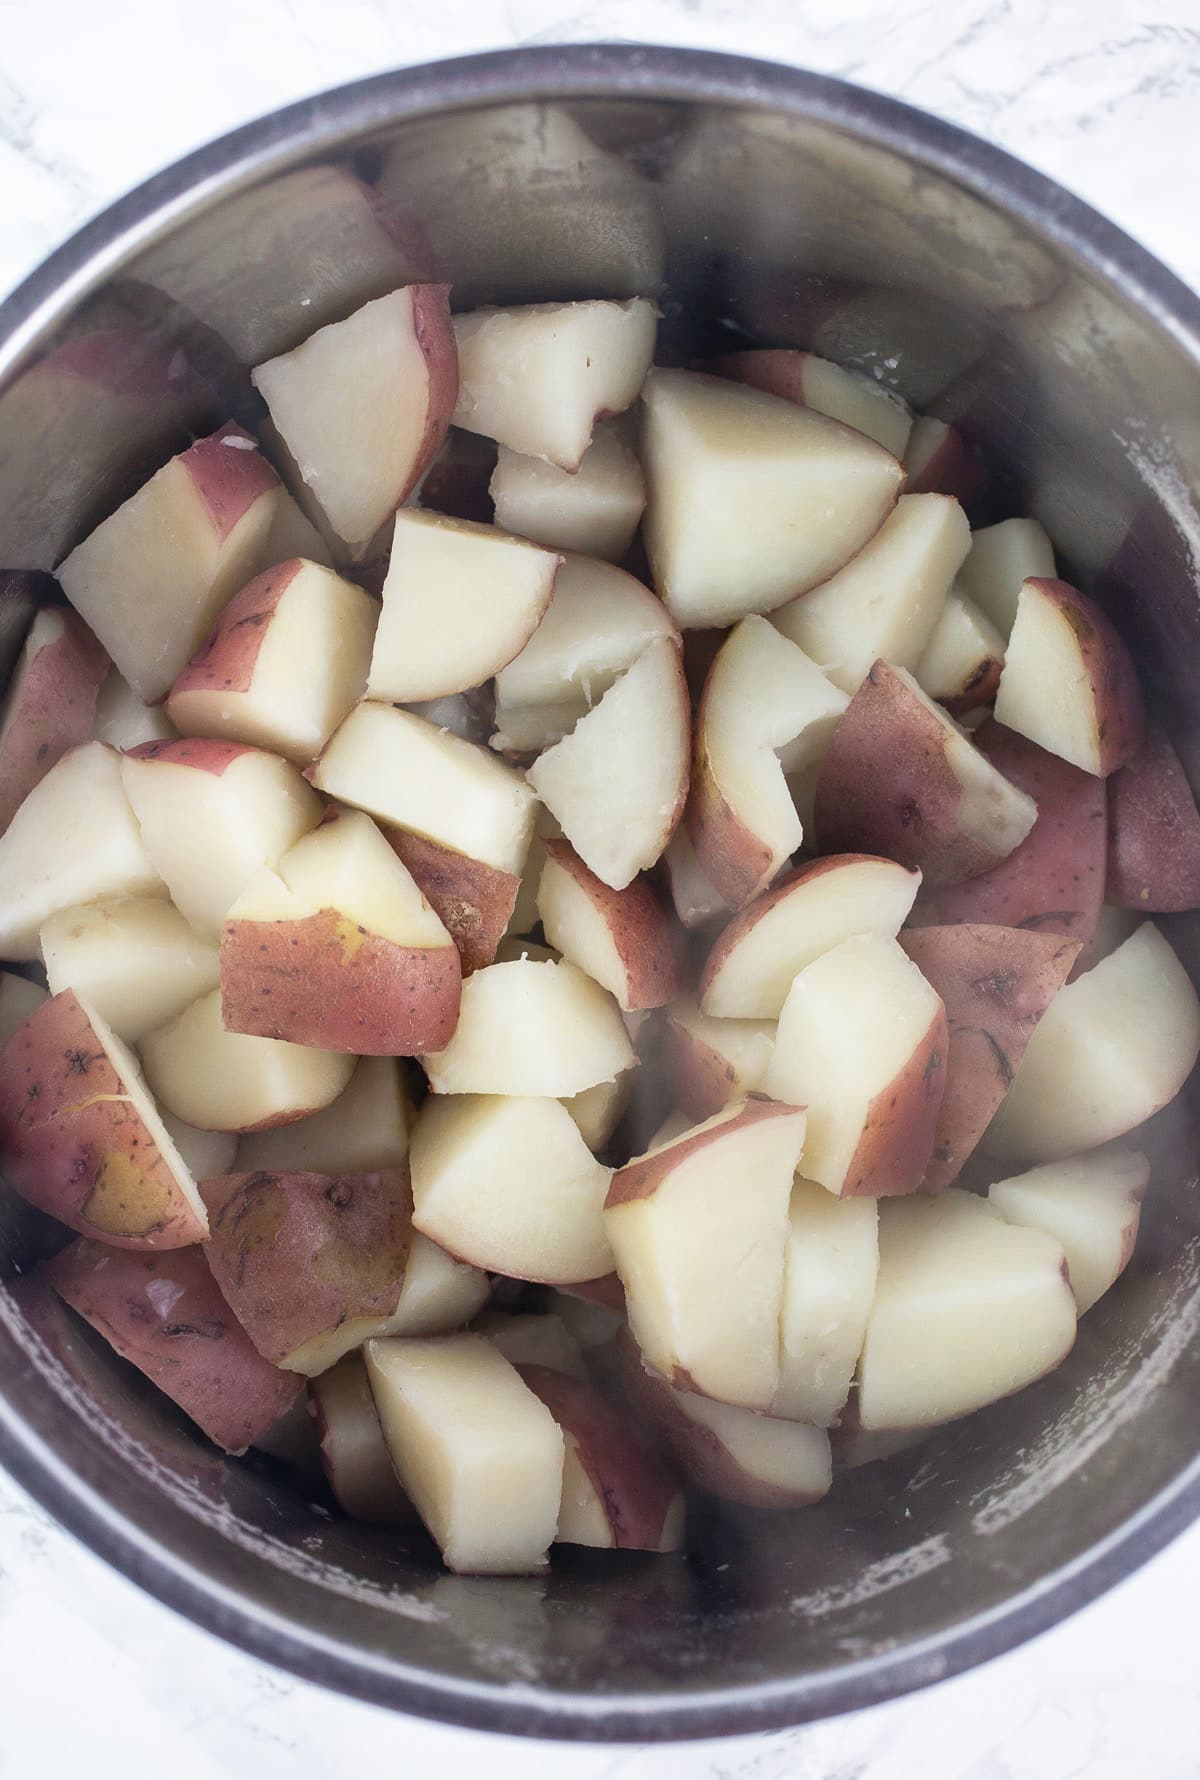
x=1102, y=94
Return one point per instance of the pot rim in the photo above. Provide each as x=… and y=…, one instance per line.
x=272, y=144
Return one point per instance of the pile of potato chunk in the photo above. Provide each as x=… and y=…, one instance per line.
x=639, y=915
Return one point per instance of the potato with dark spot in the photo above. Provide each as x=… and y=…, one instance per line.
x=313, y=1264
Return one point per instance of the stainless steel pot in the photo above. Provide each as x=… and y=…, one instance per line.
x=766, y=205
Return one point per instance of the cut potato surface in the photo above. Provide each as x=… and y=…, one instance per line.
x=862, y=1044
x=347, y=1236
x=709, y=1062
x=766, y=710
x=888, y=599
x=212, y=814
x=83, y=798
x=476, y=1450
x=151, y=579
x=1112, y=1048
x=594, y=509
x=529, y=1026
x=680, y=1234
x=1090, y=1204
x=474, y=901
x=618, y=782
x=830, y=1269
x=363, y=405
x=538, y=378
x=403, y=770
x=50, y=705
x=1002, y=558
x=961, y=664
x=122, y=720
x=230, y=1081
x=1068, y=681
x=459, y=602
x=623, y=939
x=134, y=960
x=286, y=663
x=82, y=1139
x=354, y=1454
x=533, y=1340
x=508, y=1184
x=818, y=383
x=752, y=965
x=440, y=1293
x=164, y=1313
x=365, y=1128
x=337, y=948
x=752, y=501
x=968, y=1309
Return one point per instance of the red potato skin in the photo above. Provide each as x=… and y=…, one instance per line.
x=473, y=901
x=886, y=786
x=995, y=984
x=1153, y=833
x=1116, y=688
x=698, y=1451
x=435, y=337
x=646, y=937
x=1054, y=881
x=325, y=981
x=699, y=1080
x=73, y=1144
x=637, y=1490
x=53, y=709
x=200, y=752
x=735, y=861
x=951, y=468
x=897, y=1141
x=228, y=478
x=165, y=1314
x=731, y=936
x=778, y=370
x=296, y=1255
x=227, y=660
x=641, y=1178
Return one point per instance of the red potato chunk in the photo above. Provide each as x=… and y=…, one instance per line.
x=50, y=705
x=1153, y=833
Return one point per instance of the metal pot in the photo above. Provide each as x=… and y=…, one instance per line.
x=766, y=205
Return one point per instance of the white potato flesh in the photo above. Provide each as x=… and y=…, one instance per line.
x=293, y=533
x=1002, y=556
x=743, y=1048
x=752, y=500
x=597, y=1110
x=887, y=600
x=134, y=959
x=210, y=830
x=1052, y=691
x=598, y=624
x=440, y=1292
x=479, y=1454
x=364, y=1129
x=1111, y=1049
x=617, y=783
x=309, y=669
x=702, y=1266
x=832, y=902
x=582, y=1517
x=990, y=807
x=968, y=1308
x=531, y=1028
x=206, y=1153
x=767, y=711
x=594, y=509
x=537, y=378
x=123, y=721
x=404, y=770
x=964, y=648
x=525, y=916
x=856, y=401
x=1090, y=1204
x=508, y=1184
x=828, y=1289
x=152, y=578
x=352, y=403
x=459, y=602
x=18, y=999
x=75, y=839
x=779, y=1454
x=525, y=730
x=695, y=900
x=853, y=1023
x=347, y=865
x=230, y=1081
